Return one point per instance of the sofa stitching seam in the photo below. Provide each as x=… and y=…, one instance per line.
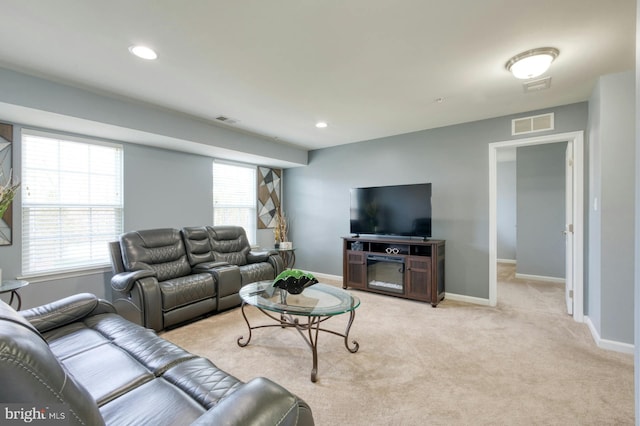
x=45, y=384
x=161, y=371
x=293, y=406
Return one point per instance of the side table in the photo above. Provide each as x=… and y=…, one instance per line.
x=288, y=257
x=13, y=286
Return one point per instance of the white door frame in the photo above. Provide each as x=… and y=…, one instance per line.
x=578, y=213
x=568, y=227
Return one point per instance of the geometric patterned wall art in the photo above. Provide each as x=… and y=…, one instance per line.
x=6, y=164
x=269, y=190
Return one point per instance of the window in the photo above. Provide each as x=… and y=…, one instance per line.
x=71, y=202
x=234, y=196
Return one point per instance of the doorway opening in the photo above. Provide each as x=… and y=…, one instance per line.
x=574, y=230
x=529, y=293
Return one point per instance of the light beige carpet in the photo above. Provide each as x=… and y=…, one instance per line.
x=522, y=363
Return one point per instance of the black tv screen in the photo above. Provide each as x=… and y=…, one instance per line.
x=402, y=210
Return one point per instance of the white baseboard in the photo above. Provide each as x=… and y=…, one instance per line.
x=540, y=278
x=532, y=277
x=610, y=345
x=466, y=299
x=451, y=296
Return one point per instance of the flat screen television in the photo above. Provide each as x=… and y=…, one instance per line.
x=399, y=210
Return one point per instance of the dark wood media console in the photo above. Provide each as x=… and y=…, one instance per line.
x=413, y=269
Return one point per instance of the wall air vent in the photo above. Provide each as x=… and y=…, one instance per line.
x=535, y=123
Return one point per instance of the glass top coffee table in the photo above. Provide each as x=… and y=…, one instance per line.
x=304, y=312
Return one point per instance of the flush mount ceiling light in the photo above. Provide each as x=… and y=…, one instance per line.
x=321, y=124
x=532, y=63
x=143, y=52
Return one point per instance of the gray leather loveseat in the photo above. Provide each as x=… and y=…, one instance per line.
x=77, y=360
x=164, y=277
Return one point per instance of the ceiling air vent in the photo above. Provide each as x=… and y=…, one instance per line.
x=535, y=123
x=226, y=120
x=537, y=85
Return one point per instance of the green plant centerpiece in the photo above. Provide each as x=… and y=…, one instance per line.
x=294, y=281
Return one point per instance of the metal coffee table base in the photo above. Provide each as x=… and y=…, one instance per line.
x=309, y=332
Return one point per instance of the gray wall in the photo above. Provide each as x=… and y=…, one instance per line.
x=166, y=188
x=594, y=290
x=541, y=210
x=506, y=211
x=454, y=159
x=612, y=224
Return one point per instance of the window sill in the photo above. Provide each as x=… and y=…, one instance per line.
x=61, y=275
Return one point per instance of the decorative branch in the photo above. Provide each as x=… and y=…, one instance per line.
x=281, y=228
x=8, y=191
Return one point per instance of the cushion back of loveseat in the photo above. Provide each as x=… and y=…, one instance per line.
x=229, y=244
x=197, y=244
x=159, y=250
x=33, y=378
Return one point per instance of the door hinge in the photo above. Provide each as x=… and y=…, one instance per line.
x=570, y=294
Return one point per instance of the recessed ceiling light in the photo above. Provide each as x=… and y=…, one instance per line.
x=143, y=52
x=532, y=63
x=321, y=124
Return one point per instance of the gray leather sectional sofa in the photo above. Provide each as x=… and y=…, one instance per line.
x=80, y=361
x=164, y=277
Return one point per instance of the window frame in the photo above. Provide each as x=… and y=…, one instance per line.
x=251, y=230
x=86, y=264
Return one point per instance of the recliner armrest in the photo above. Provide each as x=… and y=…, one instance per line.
x=260, y=256
x=66, y=311
x=258, y=402
x=124, y=281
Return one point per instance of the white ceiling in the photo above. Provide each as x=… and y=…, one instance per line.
x=370, y=68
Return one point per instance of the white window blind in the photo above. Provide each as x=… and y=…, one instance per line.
x=234, y=196
x=71, y=202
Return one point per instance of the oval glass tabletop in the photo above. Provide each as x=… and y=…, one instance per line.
x=316, y=300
